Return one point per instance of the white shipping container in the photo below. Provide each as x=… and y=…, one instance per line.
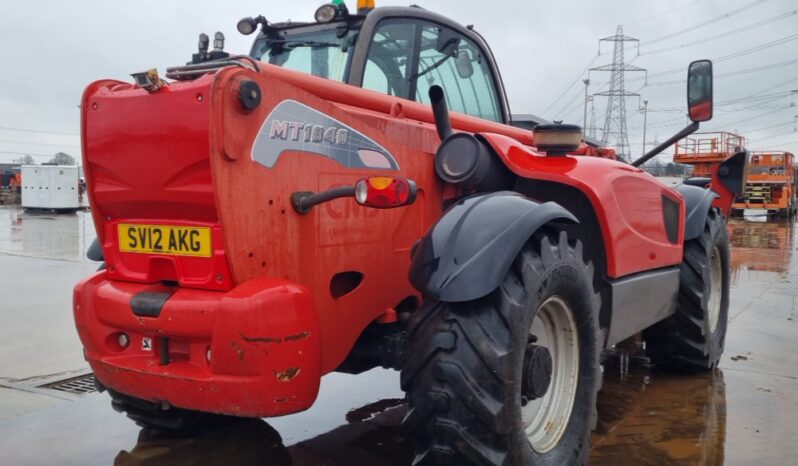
x=50, y=187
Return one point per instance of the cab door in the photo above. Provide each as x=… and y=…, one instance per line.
x=405, y=56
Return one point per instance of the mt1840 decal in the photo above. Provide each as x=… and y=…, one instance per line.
x=292, y=126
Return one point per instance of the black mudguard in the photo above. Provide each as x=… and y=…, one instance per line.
x=468, y=253
x=733, y=173
x=697, y=202
x=95, y=252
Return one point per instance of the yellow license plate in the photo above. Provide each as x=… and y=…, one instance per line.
x=163, y=239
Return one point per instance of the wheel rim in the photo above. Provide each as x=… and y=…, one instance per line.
x=546, y=418
x=715, y=290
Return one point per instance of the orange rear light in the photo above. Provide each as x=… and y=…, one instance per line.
x=380, y=182
x=385, y=192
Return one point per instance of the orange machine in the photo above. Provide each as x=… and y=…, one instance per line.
x=771, y=183
x=705, y=150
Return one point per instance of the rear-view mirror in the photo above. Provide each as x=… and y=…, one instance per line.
x=463, y=63
x=699, y=90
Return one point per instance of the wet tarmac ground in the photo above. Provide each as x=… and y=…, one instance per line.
x=744, y=413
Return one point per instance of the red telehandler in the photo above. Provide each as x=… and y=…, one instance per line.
x=313, y=206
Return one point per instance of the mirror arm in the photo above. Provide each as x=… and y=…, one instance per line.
x=690, y=129
x=304, y=201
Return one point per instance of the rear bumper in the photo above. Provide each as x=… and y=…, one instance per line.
x=252, y=351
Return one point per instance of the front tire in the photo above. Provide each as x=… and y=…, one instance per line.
x=477, y=393
x=693, y=338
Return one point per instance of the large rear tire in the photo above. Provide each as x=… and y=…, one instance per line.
x=693, y=338
x=481, y=391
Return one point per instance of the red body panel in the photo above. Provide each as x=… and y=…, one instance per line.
x=726, y=197
x=627, y=202
x=262, y=337
x=174, y=158
x=145, y=159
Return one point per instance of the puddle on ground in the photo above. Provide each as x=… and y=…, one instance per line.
x=760, y=247
x=651, y=418
x=660, y=419
x=648, y=418
x=726, y=417
x=45, y=235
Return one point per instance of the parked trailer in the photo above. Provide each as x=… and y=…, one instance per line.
x=771, y=184
x=51, y=188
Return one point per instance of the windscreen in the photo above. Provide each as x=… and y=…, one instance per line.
x=320, y=52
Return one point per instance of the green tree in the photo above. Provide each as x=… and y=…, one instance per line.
x=26, y=160
x=62, y=158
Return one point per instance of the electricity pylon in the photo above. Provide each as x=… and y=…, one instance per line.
x=615, y=133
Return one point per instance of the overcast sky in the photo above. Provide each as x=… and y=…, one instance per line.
x=53, y=49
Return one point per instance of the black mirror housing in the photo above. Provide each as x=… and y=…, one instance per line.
x=699, y=104
x=700, y=90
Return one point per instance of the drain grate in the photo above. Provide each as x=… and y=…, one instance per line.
x=76, y=385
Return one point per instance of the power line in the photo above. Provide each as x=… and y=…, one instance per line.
x=779, y=146
x=570, y=105
x=745, y=120
x=775, y=136
x=664, y=13
x=707, y=22
x=731, y=56
x=758, y=48
x=570, y=109
x=791, y=122
x=666, y=73
x=758, y=107
x=570, y=86
x=38, y=131
x=757, y=104
x=729, y=74
x=723, y=34
x=26, y=153
x=37, y=143
x=669, y=122
x=755, y=98
x=774, y=109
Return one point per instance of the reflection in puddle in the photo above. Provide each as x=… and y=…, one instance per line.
x=760, y=247
x=246, y=442
x=376, y=441
x=644, y=418
x=661, y=419
x=45, y=235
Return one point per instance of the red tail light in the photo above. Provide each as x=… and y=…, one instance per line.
x=385, y=192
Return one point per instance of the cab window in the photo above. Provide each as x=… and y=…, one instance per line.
x=325, y=53
x=389, y=58
x=407, y=57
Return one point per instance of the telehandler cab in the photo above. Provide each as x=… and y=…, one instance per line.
x=313, y=207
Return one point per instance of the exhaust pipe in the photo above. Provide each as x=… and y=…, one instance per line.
x=464, y=159
x=441, y=112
